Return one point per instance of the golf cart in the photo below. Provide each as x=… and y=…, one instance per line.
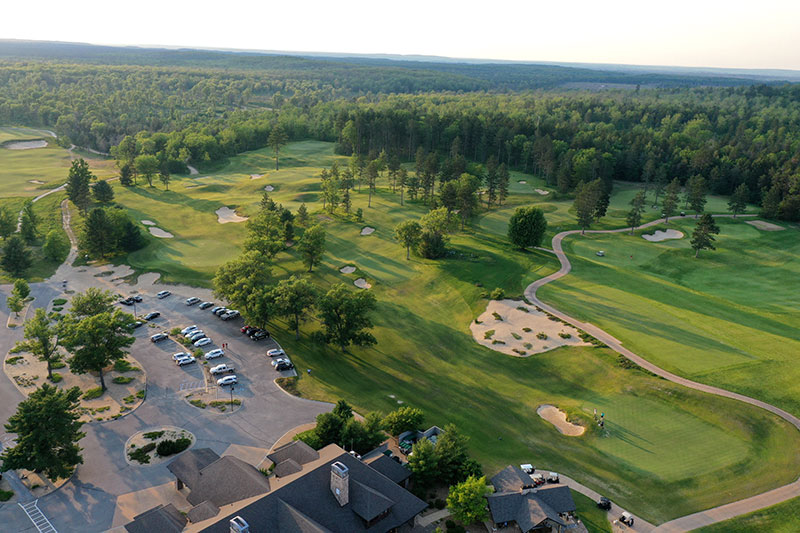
x=601, y=253
x=552, y=478
x=538, y=479
x=528, y=469
x=627, y=519
x=604, y=503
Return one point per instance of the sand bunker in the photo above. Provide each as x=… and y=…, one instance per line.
x=522, y=182
x=521, y=330
x=269, y=188
x=559, y=420
x=361, y=283
x=760, y=224
x=148, y=223
x=542, y=192
x=25, y=145
x=256, y=176
x=367, y=231
x=347, y=269
x=160, y=233
x=37, y=182
x=659, y=235
x=226, y=214
x=192, y=171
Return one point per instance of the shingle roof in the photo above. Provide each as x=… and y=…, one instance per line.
x=367, y=502
x=163, y=519
x=524, y=508
x=558, y=497
x=511, y=479
x=290, y=520
x=202, y=511
x=227, y=480
x=389, y=468
x=188, y=465
x=310, y=496
x=297, y=450
x=287, y=467
x=504, y=506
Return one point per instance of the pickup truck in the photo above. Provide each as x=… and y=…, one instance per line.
x=221, y=369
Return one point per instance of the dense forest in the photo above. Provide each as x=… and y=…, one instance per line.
x=191, y=113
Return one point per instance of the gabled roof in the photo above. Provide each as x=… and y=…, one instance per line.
x=227, y=480
x=524, y=508
x=202, y=511
x=188, y=465
x=557, y=497
x=389, y=467
x=290, y=520
x=367, y=502
x=511, y=479
x=504, y=506
x=287, y=467
x=297, y=450
x=163, y=519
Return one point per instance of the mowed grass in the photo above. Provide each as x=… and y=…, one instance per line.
x=728, y=318
x=21, y=170
x=781, y=518
x=666, y=451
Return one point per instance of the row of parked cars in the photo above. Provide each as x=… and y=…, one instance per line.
x=255, y=333
x=185, y=358
x=222, y=312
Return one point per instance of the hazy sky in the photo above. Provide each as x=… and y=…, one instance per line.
x=717, y=33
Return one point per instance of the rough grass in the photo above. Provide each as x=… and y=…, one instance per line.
x=781, y=518
x=666, y=451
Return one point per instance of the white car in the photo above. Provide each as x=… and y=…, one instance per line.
x=185, y=361
x=192, y=332
x=163, y=294
x=221, y=369
x=180, y=355
x=193, y=300
x=205, y=341
x=213, y=354
x=229, y=315
x=227, y=380
x=280, y=360
x=187, y=329
x=195, y=336
x=277, y=352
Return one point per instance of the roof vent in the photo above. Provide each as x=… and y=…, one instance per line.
x=239, y=525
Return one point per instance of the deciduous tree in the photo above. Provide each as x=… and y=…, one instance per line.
x=16, y=257
x=403, y=419
x=293, y=298
x=424, y=463
x=42, y=339
x=312, y=246
x=466, y=501
x=527, y=227
x=91, y=302
x=146, y=165
x=246, y=282
x=345, y=316
x=408, y=233
x=56, y=246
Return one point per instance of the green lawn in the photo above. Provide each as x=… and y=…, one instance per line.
x=781, y=518
x=666, y=451
x=728, y=318
x=21, y=170
x=595, y=520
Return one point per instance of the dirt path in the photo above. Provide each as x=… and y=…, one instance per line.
x=192, y=171
x=709, y=516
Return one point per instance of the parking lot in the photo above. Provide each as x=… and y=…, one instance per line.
x=253, y=368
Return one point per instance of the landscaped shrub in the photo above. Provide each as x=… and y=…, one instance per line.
x=498, y=294
x=91, y=394
x=541, y=335
x=520, y=352
x=153, y=435
x=497, y=316
x=198, y=403
x=171, y=447
x=449, y=524
x=55, y=378
x=14, y=360
x=488, y=334
x=526, y=330
x=564, y=335
x=221, y=404
x=59, y=301
x=122, y=380
x=142, y=455
x=289, y=385
x=523, y=309
x=122, y=365
x=498, y=342
x=140, y=394
x=58, y=309
x=6, y=495
x=175, y=331
x=309, y=437
x=528, y=345
x=58, y=364
x=516, y=335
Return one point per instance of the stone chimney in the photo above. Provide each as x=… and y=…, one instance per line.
x=340, y=483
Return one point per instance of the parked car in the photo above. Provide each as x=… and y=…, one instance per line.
x=136, y=298
x=193, y=300
x=217, y=308
x=163, y=294
x=205, y=341
x=138, y=324
x=192, y=332
x=259, y=334
x=229, y=315
x=220, y=311
x=247, y=330
x=604, y=503
x=221, y=369
x=187, y=329
x=213, y=354
x=158, y=337
x=151, y=316
x=552, y=478
x=180, y=355
x=277, y=352
x=627, y=519
x=284, y=365
x=127, y=301
x=195, y=335
x=206, y=305
x=227, y=380
x=185, y=360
